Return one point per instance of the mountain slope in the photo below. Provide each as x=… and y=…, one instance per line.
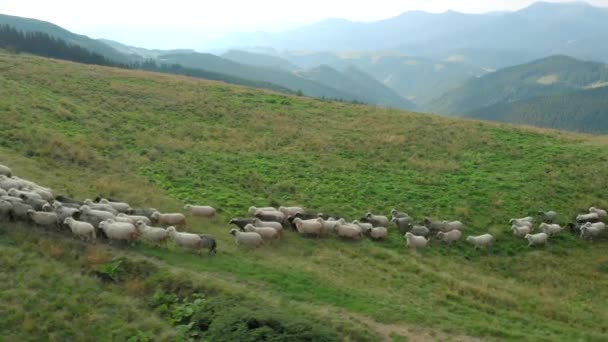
x=258, y=59
x=162, y=140
x=582, y=111
x=547, y=76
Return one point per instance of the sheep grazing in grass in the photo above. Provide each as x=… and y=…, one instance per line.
x=118, y=230
x=36, y=203
x=84, y=230
x=43, y=218
x=154, y=235
x=349, y=231
x=329, y=226
x=414, y=241
x=27, y=194
x=20, y=211
x=200, y=210
x=121, y=207
x=397, y=214
x=291, y=211
x=449, y=237
x=64, y=212
x=377, y=233
x=267, y=215
x=255, y=210
x=5, y=171
x=5, y=210
x=481, y=241
x=7, y=183
x=169, y=219
x=363, y=225
x=309, y=227
x=147, y=212
x=524, y=221
x=433, y=227
x=550, y=229
x=267, y=233
x=133, y=218
x=575, y=227
x=452, y=225
x=100, y=206
x=242, y=222
x=420, y=231
x=601, y=213
x=404, y=223
x=275, y=225
x=521, y=231
x=85, y=209
x=548, y=216
x=592, y=230
x=591, y=217
x=377, y=220
x=67, y=200
x=539, y=239
x=193, y=241
x=248, y=239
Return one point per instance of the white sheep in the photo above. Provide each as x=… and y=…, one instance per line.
x=414, y=241
x=309, y=227
x=193, y=241
x=550, y=229
x=3, y=192
x=200, y=210
x=171, y=219
x=5, y=171
x=28, y=194
x=377, y=220
x=121, y=207
x=276, y=225
x=8, y=183
x=100, y=206
x=521, y=231
x=601, y=213
x=452, y=225
x=377, y=233
x=267, y=233
x=249, y=239
x=83, y=230
x=43, y=218
x=363, y=225
x=5, y=209
x=524, y=221
x=348, y=231
x=118, y=230
x=396, y=213
x=537, y=239
x=420, y=231
x=481, y=241
x=590, y=230
x=291, y=211
x=449, y=237
x=132, y=218
x=270, y=215
x=155, y=235
x=588, y=217
x=329, y=225
x=255, y=210
x=97, y=213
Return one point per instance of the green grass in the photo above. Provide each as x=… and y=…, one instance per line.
x=162, y=140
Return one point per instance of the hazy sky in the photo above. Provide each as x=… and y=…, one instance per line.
x=176, y=23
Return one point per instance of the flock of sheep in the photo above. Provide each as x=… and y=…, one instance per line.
x=27, y=201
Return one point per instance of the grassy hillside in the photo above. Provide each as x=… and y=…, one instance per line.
x=582, y=111
x=162, y=140
x=547, y=76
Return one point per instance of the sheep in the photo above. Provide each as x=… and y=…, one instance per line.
x=101, y=206
x=309, y=227
x=67, y=200
x=255, y=210
x=36, y=203
x=377, y=233
x=133, y=218
x=267, y=233
x=9, y=183
x=200, y=210
x=433, y=227
x=548, y=216
x=175, y=219
x=155, y=235
x=524, y=221
x=83, y=230
x=5, y=171
x=377, y=220
x=591, y=217
x=575, y=227
x=249, y=239
x=601, y=213
x=21, y=194
x=120, y=207
x=20, y=211
x=414, y=241
x=550, y=229
x=330, y=225
x=485, y=240
x=452, y=225
x=590, y=230
x=449, y=237
x=104, y=215
x=64, y=212
x=521, y=231
x=291, y=211
x=267, y=215
x=536, y=239
x=118, y=230
x=147, y=212
x=404, y=224
x=5, y=209
x=242, y=222
x=349, y=231
x=363, y=225
x=397, y=214
x=3, y=192
x=276, y=225
x=43, y=218
x=420, y=231
x=193, y=241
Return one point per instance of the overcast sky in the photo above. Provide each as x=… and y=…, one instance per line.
x=172, y=24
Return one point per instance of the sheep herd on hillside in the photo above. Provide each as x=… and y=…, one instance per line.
x=26, y=201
